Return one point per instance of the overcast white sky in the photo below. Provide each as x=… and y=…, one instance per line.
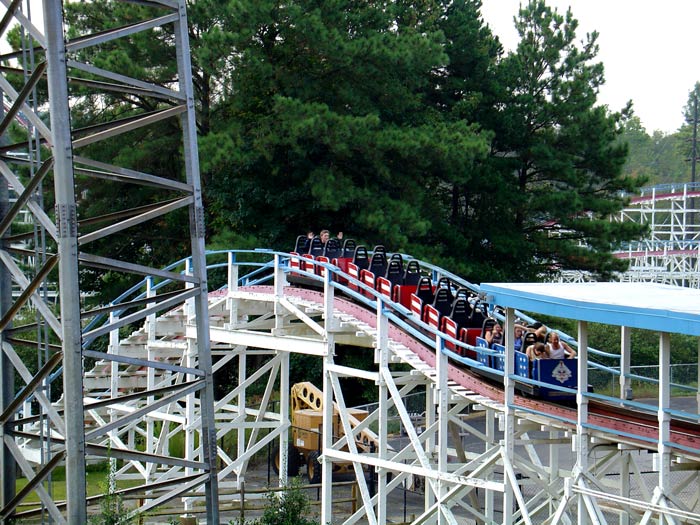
x=649, y=49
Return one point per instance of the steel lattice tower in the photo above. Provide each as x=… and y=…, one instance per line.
x=38, y=435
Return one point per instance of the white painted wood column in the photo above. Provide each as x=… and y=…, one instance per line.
x=327, y=424
x=490, y=424
x=429, y=494
x=625, y=485
x=241, y=417
x=443, y=398
x=383, y=360
x=279, y=284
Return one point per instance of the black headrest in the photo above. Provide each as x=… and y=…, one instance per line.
x=349, y=248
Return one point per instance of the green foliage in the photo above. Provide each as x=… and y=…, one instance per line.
x=331, y=106
x=557, y=163
x=112, y=509
x=291, y=507
x=397, y=123
x=656, y=158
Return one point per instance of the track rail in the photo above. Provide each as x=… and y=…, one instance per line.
x=611, y=422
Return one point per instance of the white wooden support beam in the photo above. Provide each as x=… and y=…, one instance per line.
x=383, y=362
x=509, y=414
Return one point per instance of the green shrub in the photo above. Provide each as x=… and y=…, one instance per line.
x=290, y=507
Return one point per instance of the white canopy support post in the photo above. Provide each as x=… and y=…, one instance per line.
x=232, y=285
x=625, y=361
x=663, y=412
x=582, y=415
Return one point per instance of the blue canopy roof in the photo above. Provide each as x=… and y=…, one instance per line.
x=650, y=306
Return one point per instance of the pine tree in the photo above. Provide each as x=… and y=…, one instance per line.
x=557, y=155
x=328, y=125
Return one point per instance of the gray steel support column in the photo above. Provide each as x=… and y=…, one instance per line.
x=69, y=291
x=7, y=463
x=199, y=265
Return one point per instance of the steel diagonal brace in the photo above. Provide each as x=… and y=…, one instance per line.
x=28, y=290
x=121, y=400
x=137, y=414
x=659, y=504
x=28, y=112
x=130, y=455
x=116, y=443
x=34, y=482
x=127, y=175
x=129, y=88
x=130, y=125
x=158, y=365
x=39, y=214
x=29, y=389
x=26, y=376
x=181, y=489
x=22, y=96
x=5, y=23
x=26, y=23
x=107, y=263
x=561, y=508
x=135, y=221
x=119, y=32
x=578, y=485
x=154, y=89
x=26, y=195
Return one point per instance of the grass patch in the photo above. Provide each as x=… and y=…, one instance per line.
x=97, y=479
